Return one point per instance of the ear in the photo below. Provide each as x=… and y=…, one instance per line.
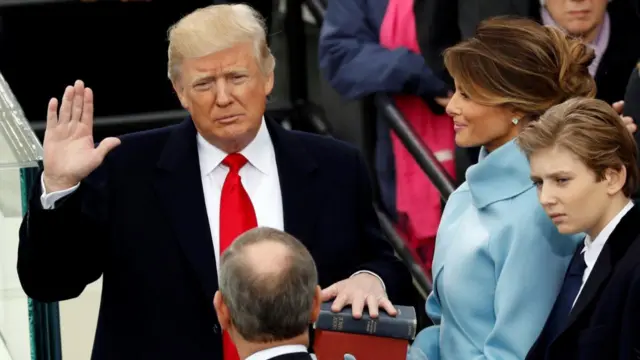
x=222, y=311
x=615, y=179
x=315, y=309
x=180, y=91
x=268, y=84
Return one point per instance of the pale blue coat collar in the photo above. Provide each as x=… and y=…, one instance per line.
x=499, y=175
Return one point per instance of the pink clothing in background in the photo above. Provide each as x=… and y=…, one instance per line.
x=417, y=198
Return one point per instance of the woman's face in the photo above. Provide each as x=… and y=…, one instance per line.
x=480, y=125
x=569, y=191
x=578, y=17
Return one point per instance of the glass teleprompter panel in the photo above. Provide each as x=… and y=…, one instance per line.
x=19, y=149
x=19, y=146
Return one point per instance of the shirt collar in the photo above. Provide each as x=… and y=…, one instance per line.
x=593, y=247
x=277, y=351
x=258, y=152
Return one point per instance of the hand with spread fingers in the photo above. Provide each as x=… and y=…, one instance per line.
x=69, y=151
x=359, y=290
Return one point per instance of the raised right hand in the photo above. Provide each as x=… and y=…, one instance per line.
x=69, y=151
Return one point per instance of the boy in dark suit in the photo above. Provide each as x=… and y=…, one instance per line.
x=583, y=162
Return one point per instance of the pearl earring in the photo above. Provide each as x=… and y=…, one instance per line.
x=515, y=121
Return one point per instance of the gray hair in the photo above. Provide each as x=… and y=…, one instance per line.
x=267, y=306
x=215, y=28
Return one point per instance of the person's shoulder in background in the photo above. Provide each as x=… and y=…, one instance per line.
x=632, y=95
x=632, y=108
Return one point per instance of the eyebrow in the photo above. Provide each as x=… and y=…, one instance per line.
x=207, y=77
x=554, y=174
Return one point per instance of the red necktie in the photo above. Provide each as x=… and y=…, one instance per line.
x=236, y=216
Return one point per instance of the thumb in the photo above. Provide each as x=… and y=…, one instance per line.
x=107, y=145
x=618, y=106
x=329, y=293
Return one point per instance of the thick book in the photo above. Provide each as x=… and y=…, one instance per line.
x=401, y=326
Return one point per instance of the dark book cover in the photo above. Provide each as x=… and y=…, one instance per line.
x=401, y=326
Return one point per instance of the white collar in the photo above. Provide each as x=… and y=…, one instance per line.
x=277, y=351
x=591, y=248
x=258, y=152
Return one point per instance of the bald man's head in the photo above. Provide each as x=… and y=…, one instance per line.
x=267, y=257
x=268, y=282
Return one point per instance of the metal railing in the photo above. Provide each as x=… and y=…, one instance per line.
x=416, y=147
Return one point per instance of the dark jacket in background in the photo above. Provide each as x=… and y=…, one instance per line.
x=632, y=108
x=632, y=99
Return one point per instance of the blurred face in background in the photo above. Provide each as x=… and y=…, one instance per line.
x=480, y=125
x=226, y=94
x=570, y=192
x=578, y=17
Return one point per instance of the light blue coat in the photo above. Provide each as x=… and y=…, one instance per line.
x=498, y=266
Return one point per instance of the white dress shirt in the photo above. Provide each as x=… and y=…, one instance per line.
x=592, y=248
x=259, y=178
x=277, y=351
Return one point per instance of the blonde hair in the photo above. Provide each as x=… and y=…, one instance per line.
x=592, y=131
x=522, y=65
x=215, y=28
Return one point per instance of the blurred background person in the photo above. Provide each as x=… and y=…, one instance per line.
x=372, y=46
x=584, y=165
x=632, y=105
x=499, y=260
x=268, y=295
x=610, y=27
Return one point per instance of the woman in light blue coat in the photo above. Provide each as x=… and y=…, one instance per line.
x=499, y=261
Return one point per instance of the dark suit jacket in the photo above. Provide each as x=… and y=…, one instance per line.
x=605, y=320
x=140, y=221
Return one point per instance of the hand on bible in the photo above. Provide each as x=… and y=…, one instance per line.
x=358, y=291
x=69, y=151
